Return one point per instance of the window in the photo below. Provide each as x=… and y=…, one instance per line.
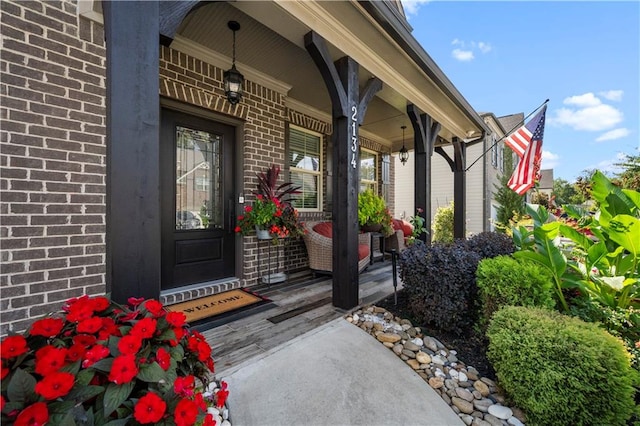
x=501, y=157
x=494, y=151
x=368, y=170
x=305, y=168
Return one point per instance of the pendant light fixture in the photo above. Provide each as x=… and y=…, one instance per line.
x=233, y=80
x=404, y=154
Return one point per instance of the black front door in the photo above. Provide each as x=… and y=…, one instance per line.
x=196, y=157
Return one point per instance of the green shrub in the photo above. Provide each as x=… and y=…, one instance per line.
x=443, y=225
x=505, y=281
x=441, y=285
x=490, y=244
x=560, y=370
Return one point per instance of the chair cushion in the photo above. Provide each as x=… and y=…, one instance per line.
x=324, y=228
x=363, y=251
x=402, y=225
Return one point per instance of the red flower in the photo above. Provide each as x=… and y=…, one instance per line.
x=34, y=415
x=47, y=327
x=237, y=229
x=55, y=385
x=90, y=325
x=204, y=351
x=2, y=402
x=179, y=332
x=163, y=358
x=144, y=328
x=75, y=352
x=149, y=409
x=100, y=303
x=13, y=346
x=94, y=355
x=79, y=309
x=222, y=394
x=199, y=400
x=128, y=317
x=109, y=328
x=123, y=370
x=183, y=386
x=85, y=340
x=156, y=308
x=208, y=420
x=186, y=413
x=129, y=344
x=247, y=209
x=209, y=364
x=176, y=319
x=135, y=301
x=50, y=359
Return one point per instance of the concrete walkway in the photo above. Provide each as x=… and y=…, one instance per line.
x=335, y=374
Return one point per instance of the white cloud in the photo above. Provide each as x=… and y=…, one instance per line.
x=484, y=47
x=462, y=55
x=608, y=166
x=612, y=95
x=456, y=42
x=587, y=112
x=549, y=160
x=586, y=100
x=411, y=7
x=613, y=134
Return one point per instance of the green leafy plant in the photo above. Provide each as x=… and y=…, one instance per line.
x=268, y=186
x=443, y=225
x=372, y=210
x=561, y=370
x=503, y=281
x=418, y=224
x=98, y=362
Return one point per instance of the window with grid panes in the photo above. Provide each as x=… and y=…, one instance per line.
x=305, y=168
x=368, y=170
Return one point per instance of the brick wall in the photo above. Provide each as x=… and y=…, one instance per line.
x=52, y=148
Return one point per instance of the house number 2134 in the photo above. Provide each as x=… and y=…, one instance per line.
x=354, y=136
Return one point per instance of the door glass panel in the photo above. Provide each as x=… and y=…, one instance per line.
x=198, y=180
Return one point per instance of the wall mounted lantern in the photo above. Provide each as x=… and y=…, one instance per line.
x=404, y=154
x=232, y=78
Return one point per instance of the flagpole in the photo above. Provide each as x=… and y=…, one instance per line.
x=520, y=123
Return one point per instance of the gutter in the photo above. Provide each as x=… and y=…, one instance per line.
x=400, y=31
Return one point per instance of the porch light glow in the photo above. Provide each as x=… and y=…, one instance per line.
x=404, y=154
x=232, y=78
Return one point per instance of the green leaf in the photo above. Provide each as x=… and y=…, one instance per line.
x=84, y=393
x=625, y=230
x=576, y=236
x=167, y=334
x=83, y=378
x=596, y=254
x=61, y=413
x=72, y=368
x=634, y=197
x=116, y=395
x=554, y=257
x=118, y=422
x=21, y=387
x=151, y=373
x=103, y=365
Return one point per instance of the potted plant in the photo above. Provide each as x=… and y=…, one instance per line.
x=271, y=216
x=373, y=214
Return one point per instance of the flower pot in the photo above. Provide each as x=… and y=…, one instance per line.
x=263, y=234
x=371, y=227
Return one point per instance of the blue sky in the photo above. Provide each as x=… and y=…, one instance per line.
x=508, y=57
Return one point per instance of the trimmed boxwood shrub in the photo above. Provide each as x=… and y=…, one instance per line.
x=504, y=281
x=490, y=244
x=440, y=284
x=560, y=370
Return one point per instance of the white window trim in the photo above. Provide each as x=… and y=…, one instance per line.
x=375, y=164
x=319, y=173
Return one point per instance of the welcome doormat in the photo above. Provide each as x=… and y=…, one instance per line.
x=218, y=304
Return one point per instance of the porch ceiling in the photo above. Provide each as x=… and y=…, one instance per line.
x=270, y=43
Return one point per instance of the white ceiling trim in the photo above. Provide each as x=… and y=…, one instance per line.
x=339, y=35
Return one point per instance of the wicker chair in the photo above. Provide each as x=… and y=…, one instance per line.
x=320, y=249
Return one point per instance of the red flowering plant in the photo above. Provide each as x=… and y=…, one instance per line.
x=97, y=362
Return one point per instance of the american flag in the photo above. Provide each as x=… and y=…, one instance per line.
x=519, y=140
x=528, y=169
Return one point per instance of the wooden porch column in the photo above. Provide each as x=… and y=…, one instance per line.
x=425, y=132
x=133, y=160
x=458, y=166
x=348, y=111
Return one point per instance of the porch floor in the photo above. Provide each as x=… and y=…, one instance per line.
x=302, y=305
